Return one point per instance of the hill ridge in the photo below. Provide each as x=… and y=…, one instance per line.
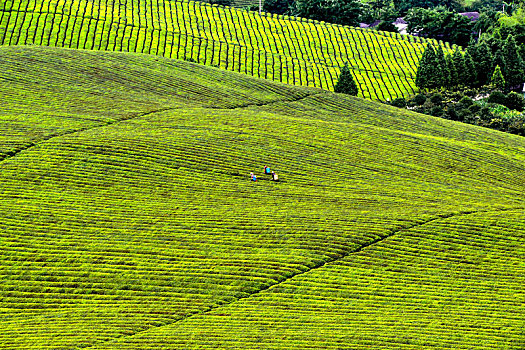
x=140, y=223
x=286, y=49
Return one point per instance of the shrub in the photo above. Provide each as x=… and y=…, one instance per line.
x=497, y=97
x=399, y=102
x=436, y=98
x=513, y=100
x=466, y=102
x=436, y=111
x=475, y=108
x=419, y=99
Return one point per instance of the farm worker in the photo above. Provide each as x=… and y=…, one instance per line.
x=253, y=177
x=266, y=170
x=274, y=176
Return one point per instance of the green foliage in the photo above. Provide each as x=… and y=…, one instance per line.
x=399, y=102
x=438, y=24
x=452, y=77
x=406, y=5
x=386, y=26
x=419, y=99
x=430, y=69
x=219, y=2
x=128, y=220
x=497, y=79
x=515, y=101
x=346, y=83
x=460, y=67
x=279, y=7
x=483, y=61
x=345, y=12
x=460, y=106
x=281, y=48
x=497, y=97
x=471, y=76
x=436, y=98
x=514, y=68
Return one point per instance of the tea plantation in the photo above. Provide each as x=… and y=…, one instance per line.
x=287, y=49
x=128, y=219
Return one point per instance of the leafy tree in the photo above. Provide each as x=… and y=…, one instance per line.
x=497, y=79
x=220, y=2
x=345, y=12
x=399, y=102
x=405, y=5
x=279, y=7
x=514, y=69
x=346, y=83
x=439, y=24
x=386, y=26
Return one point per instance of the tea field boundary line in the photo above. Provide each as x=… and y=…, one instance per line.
x=320, y=265
x=13, y=153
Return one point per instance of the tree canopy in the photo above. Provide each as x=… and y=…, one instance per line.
x=345, y=12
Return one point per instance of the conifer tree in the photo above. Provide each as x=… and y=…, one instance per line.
x=425, y=76
x=459, y=64
x=346, y=83
x=484, y=63
x=514, y=70
x=452, y=73
x=497, y=79
x=471, y=76
x=440, y=68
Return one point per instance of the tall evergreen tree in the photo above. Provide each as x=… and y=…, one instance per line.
x=514, y=70
x=424, y=74
x=497, y=79
x=346, y=83
x=471, y=76
x=452, y=73
x=459, y=64
x=484, y=63
x=441, y=69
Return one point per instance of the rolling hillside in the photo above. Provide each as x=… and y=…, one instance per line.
x=295, y=51
x=128, y=221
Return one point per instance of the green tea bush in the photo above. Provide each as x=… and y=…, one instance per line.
x=287, y=49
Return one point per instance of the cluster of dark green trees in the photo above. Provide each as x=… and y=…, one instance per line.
x=480, y=65
x=459, y=106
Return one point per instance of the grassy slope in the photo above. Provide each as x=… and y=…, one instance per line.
x=295, y=51
x=141, y=214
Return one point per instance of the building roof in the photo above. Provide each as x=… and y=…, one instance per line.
x=400, y=20
x=474, y=16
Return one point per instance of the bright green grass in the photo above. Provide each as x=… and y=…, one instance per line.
x=291, y=50
x=141, y=214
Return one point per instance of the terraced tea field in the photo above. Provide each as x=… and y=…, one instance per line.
x=128, y=221
x=291, y=50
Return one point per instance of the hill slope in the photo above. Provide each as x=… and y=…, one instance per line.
x=295, y=51
x=128, y=219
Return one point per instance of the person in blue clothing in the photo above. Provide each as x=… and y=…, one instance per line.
x=253, y=177
x=267, y=170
